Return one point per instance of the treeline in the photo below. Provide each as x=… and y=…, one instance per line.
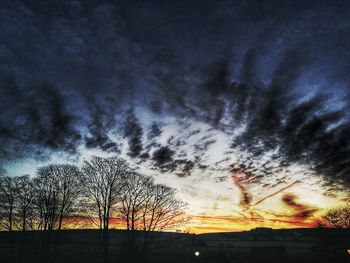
x=101, y=190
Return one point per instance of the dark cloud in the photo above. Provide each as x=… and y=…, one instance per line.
x=277, y=71
x=241, y=180
x=98, y=129
x=302, y=211
x=155, y=131
x=165, y=161
x=184, y=167
x=203, y=145
x=156, y=106
x=303, y=134
x=36, y=118
x=133, y=132
x=163, y=155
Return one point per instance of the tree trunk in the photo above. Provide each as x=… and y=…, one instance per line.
x=10, y=217
x=60, y=223
x=133, y=220
x=24, y=220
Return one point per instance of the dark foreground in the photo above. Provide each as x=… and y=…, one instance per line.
x=260, y=245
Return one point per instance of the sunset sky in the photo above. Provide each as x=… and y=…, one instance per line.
x=242, y=106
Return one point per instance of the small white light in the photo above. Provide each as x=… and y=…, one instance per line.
x=196, y=253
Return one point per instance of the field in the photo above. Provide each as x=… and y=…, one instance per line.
x=259, y=245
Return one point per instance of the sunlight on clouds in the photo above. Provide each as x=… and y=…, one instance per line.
x=217, y=183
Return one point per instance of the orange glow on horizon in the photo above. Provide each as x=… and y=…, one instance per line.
x=212, y=224
x=200, y=224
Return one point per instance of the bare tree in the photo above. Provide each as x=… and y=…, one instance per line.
x=135, y=191
x=162, y=210
x=148, y=207
x=57, y=187
x=338, y=217
x=47, y=197
x=25, y=194
x=101, y=178
x=69, y=190
x=7, y=202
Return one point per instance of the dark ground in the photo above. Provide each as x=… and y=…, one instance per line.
x=260, y=245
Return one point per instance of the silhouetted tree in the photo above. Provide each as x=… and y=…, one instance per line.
x=136, y=189
x=338, y=217
x=162, y=210
x=148, y=207
x=101, y=178
x=57, y=188
x=103, y=186
x=7, y=202
x=25, y=197
x=46, y=187
x=69, y=190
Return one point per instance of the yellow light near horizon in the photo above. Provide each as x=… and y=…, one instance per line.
x=349, y=251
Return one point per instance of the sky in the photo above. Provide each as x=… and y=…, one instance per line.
x=242, y=106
